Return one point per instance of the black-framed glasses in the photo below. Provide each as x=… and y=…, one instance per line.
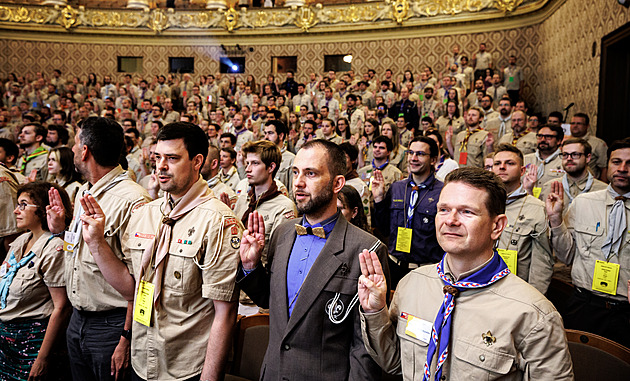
x=417, y=153
x=544, y=136
x=573, y=155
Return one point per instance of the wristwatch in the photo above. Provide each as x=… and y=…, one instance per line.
x=126, y=333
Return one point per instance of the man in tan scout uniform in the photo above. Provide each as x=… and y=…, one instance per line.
x=184, y=249
x=210, y=173
x=519, y=137
x=34, y=163
x=580, y=129
x=499, y=327
x=545, y=164
x=277, y=132
x=383, y=146
x=524, y=243
x=593, y=237
x=471, y=146
x=100, y=316
x=577, y=179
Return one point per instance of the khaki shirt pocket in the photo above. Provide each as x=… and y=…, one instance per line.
x=135, y=248
x=24, y=281
x=589, y=237
x=413, y=352
x=480, y=362
x=181, y=274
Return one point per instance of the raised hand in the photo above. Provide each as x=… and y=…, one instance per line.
x=93, y=220
x=253, y=241
x=378, y=186
x=225, y=199
x=490, y=142
x=555, y=204
x=55, y=212
x=372, y=284
x=530, y=178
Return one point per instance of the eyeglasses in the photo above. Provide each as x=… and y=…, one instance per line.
x=573, y=155
x=23, y=205
x=417, y=153
x=543, y=136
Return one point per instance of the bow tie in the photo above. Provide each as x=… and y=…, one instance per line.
x=303, y=230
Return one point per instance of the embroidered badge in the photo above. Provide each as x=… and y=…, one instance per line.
x=191, y=231
x=230, y=221
x=431, y=199
x=234, y=230
x=337, y=308
x=235, y=242
x=144, y=235
x=289, y=215
x=138, y=206
x=488, y=339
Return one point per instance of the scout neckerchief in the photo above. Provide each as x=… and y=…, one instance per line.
x=440, y=163
x=495, y=270
x=379, y=167
x=153, y=258
x=520, y=192
x=13, y=268
x=515, y=137
x=503, y=126
x=464, y=146
x=41, y=150
x=253, y=203
x=587, y=187
x=617, y=223
x=413, y=199
x=541, y=168
x=214, y=181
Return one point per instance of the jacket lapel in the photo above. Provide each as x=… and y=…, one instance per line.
x=281, y=261
x=323, y=269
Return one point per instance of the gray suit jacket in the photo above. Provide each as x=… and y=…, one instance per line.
x=308, y=345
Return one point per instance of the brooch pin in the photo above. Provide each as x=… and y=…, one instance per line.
x=191, y=231
x=488, y=339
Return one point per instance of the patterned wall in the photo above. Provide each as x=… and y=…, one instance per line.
x=569, y=71
x=396, y=54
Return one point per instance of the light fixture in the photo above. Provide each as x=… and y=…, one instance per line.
x=347, y=58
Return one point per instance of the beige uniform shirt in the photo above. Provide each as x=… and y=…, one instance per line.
x=494, y=126
x=579, y=240
x=220, y=187
x=443, y=123
x=365, y=194
x=28, y=296
x=599, y=154
x=575, y=188
x=38, y=163
x=285, y=174
x=87, y=288
x=553, y=170
x=391, y=174
x=8, y=201
x=527, y=232
x=526, y=143
x=231, y=179
x=200, y=267
x=274, y=212
x=530, y=341
x=400, y=160
x=476, y=148
x=357, y=119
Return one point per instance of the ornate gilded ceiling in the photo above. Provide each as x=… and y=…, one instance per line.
x=312, y=18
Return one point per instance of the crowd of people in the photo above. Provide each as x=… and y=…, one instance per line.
x=145, y=214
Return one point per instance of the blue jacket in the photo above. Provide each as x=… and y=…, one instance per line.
x=391, y=213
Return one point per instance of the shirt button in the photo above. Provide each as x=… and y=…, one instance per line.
x=139, y=244
x=287, y=347
x=482, y=358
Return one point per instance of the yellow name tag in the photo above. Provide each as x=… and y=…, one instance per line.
x=418, y=328
x=536, y=191
x=510, y=257
x=297, y=108
x=605, y=277
x=403, y=240
x=144, y=303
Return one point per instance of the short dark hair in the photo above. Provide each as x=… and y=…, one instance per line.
x=588, y=149
x=334, y=155
x=62, y=114
x=133, y=122
x=195, y=140
x=268, y=152
x=230, y=151
x=280, y=127
x=618, y=144
x=134, y=131
x=104, y=138
x=351, y=151
x=158, y=106
x=434, y=150
x=505, y=147
x=10, y=148
x=386, y=140
x=557, y=129
x=39, y=129
x=555, y=114
x=351, y=96
x=311, y=122
x=584, y=116
x=159, y=123
x=230, y=136
x=38, y=193
x=61, y=132
x=485, y=180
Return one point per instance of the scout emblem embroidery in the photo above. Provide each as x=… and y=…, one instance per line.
x=191, y=231
x=337, y=308
x=235, y=242
x=488, y=339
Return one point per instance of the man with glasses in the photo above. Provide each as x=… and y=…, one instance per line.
x=545, y=164
x=577, y=179
x=407, y=211
x=579, y=129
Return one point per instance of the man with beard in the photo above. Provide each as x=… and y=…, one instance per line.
x=519, y=136
x=524, y=244
x=593, y=238
x=546, y=163
x=502, y=125
x=353, y=114
x=57, y=136
x=34, y=163
x=427, y=106
x=579, y=129
x=161, y=90
x=470, y=147
x=310, y=283
x=108, y=90
x=407, y=211
x=577, y=179
x=388, y=96
x=101, y=311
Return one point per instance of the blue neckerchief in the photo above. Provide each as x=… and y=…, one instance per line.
x=380, y=168
x=495, y=270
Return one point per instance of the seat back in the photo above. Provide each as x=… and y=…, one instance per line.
x=251, y=345
x=597, y=358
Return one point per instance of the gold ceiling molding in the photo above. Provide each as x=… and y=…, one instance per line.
x=309, y=18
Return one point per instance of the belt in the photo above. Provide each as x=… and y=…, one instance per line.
x=601, y=301
x=404, y=264
x=107, y=313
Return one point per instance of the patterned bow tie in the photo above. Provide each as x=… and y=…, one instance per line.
x=303, y=230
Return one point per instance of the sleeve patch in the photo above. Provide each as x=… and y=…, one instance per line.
x=289, y=215
x=230, y=221
x=137, y=206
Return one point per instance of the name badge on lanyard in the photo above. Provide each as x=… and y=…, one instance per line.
x=605, y=277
